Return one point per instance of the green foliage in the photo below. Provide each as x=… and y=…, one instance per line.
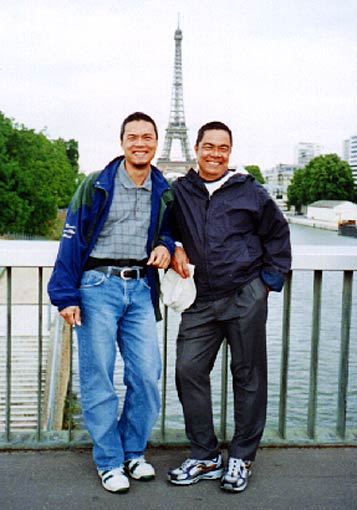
x=323, y=178
x=255, y=171
x=37, y=176
x=71, y=408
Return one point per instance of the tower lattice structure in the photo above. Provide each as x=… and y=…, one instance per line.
x=177, y=129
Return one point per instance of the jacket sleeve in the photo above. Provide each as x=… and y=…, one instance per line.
x=164, y=236
x=173, y=221
x=63, y=286
x=273, y=230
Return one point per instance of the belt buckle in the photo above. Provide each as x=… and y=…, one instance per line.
x=122, y=275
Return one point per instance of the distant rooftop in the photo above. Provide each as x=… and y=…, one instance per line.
x=329, y=204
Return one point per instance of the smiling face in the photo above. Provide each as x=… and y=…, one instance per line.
x=139, y=144
x=213, y=153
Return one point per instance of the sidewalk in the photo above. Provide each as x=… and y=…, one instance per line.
x=283, y=479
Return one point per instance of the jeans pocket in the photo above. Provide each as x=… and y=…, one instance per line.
x=92, y=278
x=145, y=283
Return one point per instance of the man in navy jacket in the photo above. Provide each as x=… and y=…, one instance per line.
x=234, y=234
x=105, y=282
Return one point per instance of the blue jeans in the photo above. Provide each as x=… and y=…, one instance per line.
x=118, y=312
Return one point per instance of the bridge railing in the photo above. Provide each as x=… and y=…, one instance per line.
x=312, y=344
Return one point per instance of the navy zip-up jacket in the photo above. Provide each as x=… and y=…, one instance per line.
x=233, y=236
x=86, y=215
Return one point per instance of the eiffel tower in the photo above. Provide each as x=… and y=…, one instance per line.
x=176, y=129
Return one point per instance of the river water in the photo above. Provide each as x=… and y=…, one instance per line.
x=300, y=346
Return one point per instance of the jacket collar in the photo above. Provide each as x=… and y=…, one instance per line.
x=194, y=179
x=106, y=176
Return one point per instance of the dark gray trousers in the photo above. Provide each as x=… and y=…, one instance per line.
x=241, y=319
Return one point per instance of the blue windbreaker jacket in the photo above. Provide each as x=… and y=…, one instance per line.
x=86, y=215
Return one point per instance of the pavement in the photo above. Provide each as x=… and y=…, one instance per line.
x=283, y=479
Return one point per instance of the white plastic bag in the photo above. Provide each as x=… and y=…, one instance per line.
x=176, y=292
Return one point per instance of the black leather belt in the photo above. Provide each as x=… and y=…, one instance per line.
x=93, y=263
x=126, y=273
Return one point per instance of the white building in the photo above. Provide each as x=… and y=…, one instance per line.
x=350, y=154
x=332, y=211
x=277, y=180
x=305, y=152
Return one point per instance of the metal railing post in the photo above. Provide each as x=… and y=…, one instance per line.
x=8, y=353
x=164, y=374
x=315, y=338
x=344, y=353
x=224, y=390
x=285, y=357
x=39, y=354
x=69, y=392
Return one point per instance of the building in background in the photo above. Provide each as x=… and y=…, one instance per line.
x=277, y=180
x=305, y=152
x=350, y=154
x=332, y=211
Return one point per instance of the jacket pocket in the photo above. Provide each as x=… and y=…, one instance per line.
x=92, y=278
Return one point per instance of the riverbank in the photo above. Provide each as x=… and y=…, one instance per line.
x=307, y=222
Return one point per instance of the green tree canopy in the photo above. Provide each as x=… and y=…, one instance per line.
x=323, y=178
x=255, y=171
x=37, y=176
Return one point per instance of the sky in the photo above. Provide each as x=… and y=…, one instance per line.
x=277, y=72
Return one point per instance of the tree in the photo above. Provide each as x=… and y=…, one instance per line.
x=323, y=178
x=297, y=191
x=255, y=171
x=37, y=176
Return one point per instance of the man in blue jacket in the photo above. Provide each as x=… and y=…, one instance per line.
x=238, y=240
x=105, y=282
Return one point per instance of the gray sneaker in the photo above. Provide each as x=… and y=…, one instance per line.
x=235, y=476
x=193, y=470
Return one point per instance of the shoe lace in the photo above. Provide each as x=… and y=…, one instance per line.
x=236, y=467
x=141, y=460
x=117, y=471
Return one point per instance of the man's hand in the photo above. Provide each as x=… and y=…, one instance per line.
x=159, y=257
x=72, y=315
x=180, y=261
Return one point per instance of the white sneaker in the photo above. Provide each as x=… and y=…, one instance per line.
x=139, y=469
x=236, y=475
x=114, y=480
x=193, y=470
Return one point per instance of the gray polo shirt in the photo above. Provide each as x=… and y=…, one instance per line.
x=125, y=231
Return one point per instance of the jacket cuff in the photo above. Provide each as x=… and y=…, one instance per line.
x=275, y=281
x=168, y=243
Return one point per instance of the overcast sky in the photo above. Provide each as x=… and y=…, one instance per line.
x=278, y=72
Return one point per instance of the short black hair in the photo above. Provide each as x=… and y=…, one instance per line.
x=137, y=116
x=216, y=124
